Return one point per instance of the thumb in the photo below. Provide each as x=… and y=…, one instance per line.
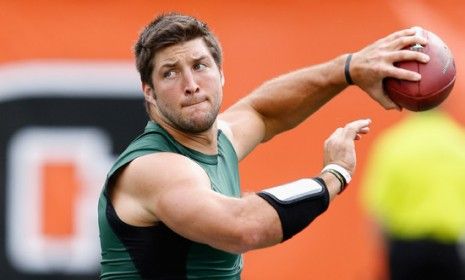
x=383, y=99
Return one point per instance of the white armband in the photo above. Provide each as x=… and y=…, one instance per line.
x=341, y=170
x=295, y=191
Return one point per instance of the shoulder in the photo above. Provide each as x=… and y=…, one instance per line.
x=145, y=181
x=225, y=129
x=243, y=126
x=162, y=168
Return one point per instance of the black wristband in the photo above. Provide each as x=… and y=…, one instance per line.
x=340, y=178
x=347, y=70
x=297, y=214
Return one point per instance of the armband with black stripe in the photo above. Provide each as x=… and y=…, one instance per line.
x=298, y=203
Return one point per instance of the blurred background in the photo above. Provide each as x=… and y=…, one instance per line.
x=70, y=101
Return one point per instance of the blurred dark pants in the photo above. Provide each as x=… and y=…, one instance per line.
x=424, y=259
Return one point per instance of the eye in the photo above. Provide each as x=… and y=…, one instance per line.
x=199, y=66
x=169, y=74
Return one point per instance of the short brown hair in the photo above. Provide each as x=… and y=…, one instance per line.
x=167, y=30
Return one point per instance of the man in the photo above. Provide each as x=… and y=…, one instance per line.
x=171, y=207
x=415, y=189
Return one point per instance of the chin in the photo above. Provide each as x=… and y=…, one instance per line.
x=198, y=125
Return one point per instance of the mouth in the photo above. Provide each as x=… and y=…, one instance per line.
x=193, y=102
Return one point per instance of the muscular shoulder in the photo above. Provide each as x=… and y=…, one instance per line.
x=164, y=166
x=244, y=128
x=147, y=179
x=226, y=129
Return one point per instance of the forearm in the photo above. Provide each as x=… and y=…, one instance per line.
x=299, y=202
x=255, y=221
x=287, y=100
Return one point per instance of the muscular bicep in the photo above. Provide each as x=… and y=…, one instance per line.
x=177, y=192
x=245, y=125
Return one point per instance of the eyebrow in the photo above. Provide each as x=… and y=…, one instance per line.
x=173, y=63
x=202, y=57
x=168, y=64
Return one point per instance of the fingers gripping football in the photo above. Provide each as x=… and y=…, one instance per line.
x=372, y=64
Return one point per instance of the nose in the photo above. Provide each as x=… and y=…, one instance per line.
x=190, y=84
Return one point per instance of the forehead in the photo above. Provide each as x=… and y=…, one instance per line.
x=190, y=49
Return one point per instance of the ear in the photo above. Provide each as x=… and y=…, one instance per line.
x=149, y=94
x=222, y=78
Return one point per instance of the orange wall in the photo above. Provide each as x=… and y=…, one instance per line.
x=260, y=39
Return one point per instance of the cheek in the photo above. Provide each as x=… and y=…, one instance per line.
x=167, y=90
x=213, y=81
x=167, y=99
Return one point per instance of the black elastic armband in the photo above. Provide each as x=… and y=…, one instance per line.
x=347, y=70
x=297, y=203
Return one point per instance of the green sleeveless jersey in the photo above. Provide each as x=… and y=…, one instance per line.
x=157, y=252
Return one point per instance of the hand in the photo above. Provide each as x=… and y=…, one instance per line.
x=339, y=148
x=372, y=64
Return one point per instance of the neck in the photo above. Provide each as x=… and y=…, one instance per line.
x=204, y=142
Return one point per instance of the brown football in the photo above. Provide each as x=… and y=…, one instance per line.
x=437, y=77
